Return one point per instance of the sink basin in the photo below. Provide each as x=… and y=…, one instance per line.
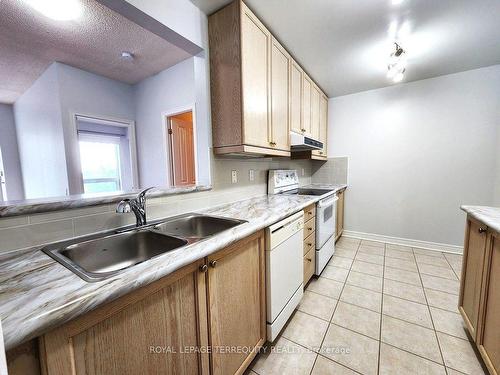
x=98, y=258
x=196, y=226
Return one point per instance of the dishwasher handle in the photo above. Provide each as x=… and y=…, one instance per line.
x=327, y=202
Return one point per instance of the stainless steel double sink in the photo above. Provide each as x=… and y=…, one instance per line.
x=101, y=256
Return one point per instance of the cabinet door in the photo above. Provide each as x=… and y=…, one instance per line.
x=489, y=321
x=236, y=296
x=124, y=336
x=255, y=44
x=315, y=112
x=295, y=97
x=306, y=104
x=472, y=273
x=323, y=124
x=280, y=75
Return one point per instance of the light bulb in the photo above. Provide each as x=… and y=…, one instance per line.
x=398, y=77
x=59, y=10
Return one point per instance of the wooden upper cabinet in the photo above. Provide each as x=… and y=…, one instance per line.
x=315, y=94
x=280, y=85
x=323, y=124
x=258, y=92
x=236, y=296
x=306, y=104
x=295, y=97
x=472, y=273
x=255, y=42
x=120, y=337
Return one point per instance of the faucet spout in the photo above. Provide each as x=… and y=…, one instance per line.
x=137, y=206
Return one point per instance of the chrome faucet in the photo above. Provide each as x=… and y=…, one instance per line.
x=137, y=206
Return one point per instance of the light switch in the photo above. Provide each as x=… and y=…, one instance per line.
x=234, y=177
x=251, y=175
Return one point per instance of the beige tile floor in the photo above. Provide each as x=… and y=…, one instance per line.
x=376, y=309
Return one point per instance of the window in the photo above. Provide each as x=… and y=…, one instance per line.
x=100, y=162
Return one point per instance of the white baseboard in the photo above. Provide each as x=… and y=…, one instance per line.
x=405, y=242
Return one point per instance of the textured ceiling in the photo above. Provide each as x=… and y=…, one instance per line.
x=30, y=42
x=344, y=44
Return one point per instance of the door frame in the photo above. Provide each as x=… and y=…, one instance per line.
x=3, y=187
x=105, y=120
x=167, y=149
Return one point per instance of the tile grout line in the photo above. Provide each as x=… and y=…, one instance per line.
x=381, y=314
x=335, y=309
x=453, y=269
x=432, y=320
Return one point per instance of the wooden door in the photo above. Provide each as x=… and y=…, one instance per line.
x=295, y=97
x=472, y=273
x=323, y=124
x=140, y=333
x=489, y=320
x=340, y=215
x=182, y=152
x=236, y=296
x=306, y=104
x=255, y=65
x=280, y=75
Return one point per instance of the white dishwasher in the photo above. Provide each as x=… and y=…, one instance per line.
x=284, y=271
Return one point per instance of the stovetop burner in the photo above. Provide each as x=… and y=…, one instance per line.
x=310, y=191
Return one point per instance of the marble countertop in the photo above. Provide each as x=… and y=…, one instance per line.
x=487, y=215
x=37, y=293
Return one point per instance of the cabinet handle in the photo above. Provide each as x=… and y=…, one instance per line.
x=203, y=268
x=303, y=130
x=309, y=259
x=309, y=228
x=213, y=263
x=272, y=143
x=309, y=244
x=482, y=230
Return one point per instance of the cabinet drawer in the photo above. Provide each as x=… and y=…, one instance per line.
x=309, y=227
x=309, y=243
x=309, y=265
x=309, y=212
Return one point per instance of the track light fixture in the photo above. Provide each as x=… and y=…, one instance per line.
x=396, y=67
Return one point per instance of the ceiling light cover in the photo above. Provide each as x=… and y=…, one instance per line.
x=59, y=10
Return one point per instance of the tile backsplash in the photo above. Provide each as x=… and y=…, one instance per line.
x=334, y=171
x=20, y=232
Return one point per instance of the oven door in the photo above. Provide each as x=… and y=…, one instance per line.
x=325, y=220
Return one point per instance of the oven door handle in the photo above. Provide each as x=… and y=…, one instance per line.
x=325, y=203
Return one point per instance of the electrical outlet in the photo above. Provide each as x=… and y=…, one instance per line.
x=234, y=177
x=251, y=175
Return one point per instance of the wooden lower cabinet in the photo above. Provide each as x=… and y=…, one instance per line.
x=339, y=219
x=217, y=303
x=472, y=273
x=488, y=338
x=479, y=301
x=236, y=296
x=142, y=332
x=309, y=242
x=309, y=265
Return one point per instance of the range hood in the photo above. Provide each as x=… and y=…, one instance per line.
x=300, y=142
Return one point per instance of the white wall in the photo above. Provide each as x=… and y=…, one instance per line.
x=10, y=153
x=182, y=16
x=417, y=151
x=40, y=138
x=86, y=93
x=168, y=90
